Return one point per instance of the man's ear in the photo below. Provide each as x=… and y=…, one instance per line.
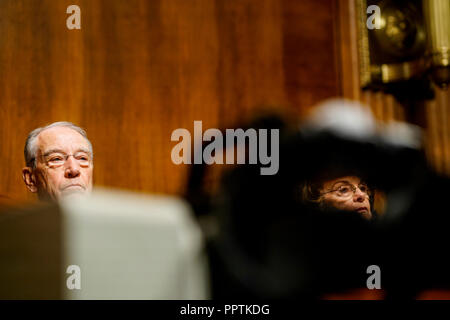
x=29, y=179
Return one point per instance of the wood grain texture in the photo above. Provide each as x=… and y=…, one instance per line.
x=139, y=69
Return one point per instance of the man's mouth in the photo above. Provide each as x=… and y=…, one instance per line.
x=362, y=209
x=74, y=186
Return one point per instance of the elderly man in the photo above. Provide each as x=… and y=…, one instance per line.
x=59, y=161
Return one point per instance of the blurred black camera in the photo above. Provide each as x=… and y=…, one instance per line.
x=264, y=242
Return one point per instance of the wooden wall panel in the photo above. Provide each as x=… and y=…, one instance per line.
x=435, y=115
x=139, y=69
x=310, y=55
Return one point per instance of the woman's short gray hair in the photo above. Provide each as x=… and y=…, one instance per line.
x=30, y=144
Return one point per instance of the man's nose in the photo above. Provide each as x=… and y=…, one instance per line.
x=72, y=168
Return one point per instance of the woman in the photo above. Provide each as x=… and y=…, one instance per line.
x=347, y=193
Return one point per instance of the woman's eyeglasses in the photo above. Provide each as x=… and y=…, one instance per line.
x=347, y=190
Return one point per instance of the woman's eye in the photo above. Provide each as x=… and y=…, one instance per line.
x=56, y=159
x=363, y=188
x=344, y=189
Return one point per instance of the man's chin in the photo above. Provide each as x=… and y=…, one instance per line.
x=73, y=192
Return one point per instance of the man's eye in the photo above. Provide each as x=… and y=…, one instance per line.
x=55, y=159
x=363, y=188
x=344, y=189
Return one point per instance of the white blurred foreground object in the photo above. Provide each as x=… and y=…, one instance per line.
x=345, y=118
x=352, y=120
x=110, y=245
x=402, y=134
x=131, y=246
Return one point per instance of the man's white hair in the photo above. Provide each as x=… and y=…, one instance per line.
x=30, y=144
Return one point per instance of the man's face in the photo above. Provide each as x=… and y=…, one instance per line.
x=347, y=193
x=63, y=164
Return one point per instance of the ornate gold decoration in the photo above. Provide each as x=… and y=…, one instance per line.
x=437, y=17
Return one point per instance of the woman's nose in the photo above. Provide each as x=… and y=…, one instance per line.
x=359, y=195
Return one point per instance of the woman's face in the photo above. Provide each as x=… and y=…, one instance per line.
x=347, y=193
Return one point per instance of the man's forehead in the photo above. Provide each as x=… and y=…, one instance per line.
x=62, y=138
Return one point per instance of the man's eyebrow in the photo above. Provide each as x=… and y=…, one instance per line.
x=83, y=150
x=49, y=152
